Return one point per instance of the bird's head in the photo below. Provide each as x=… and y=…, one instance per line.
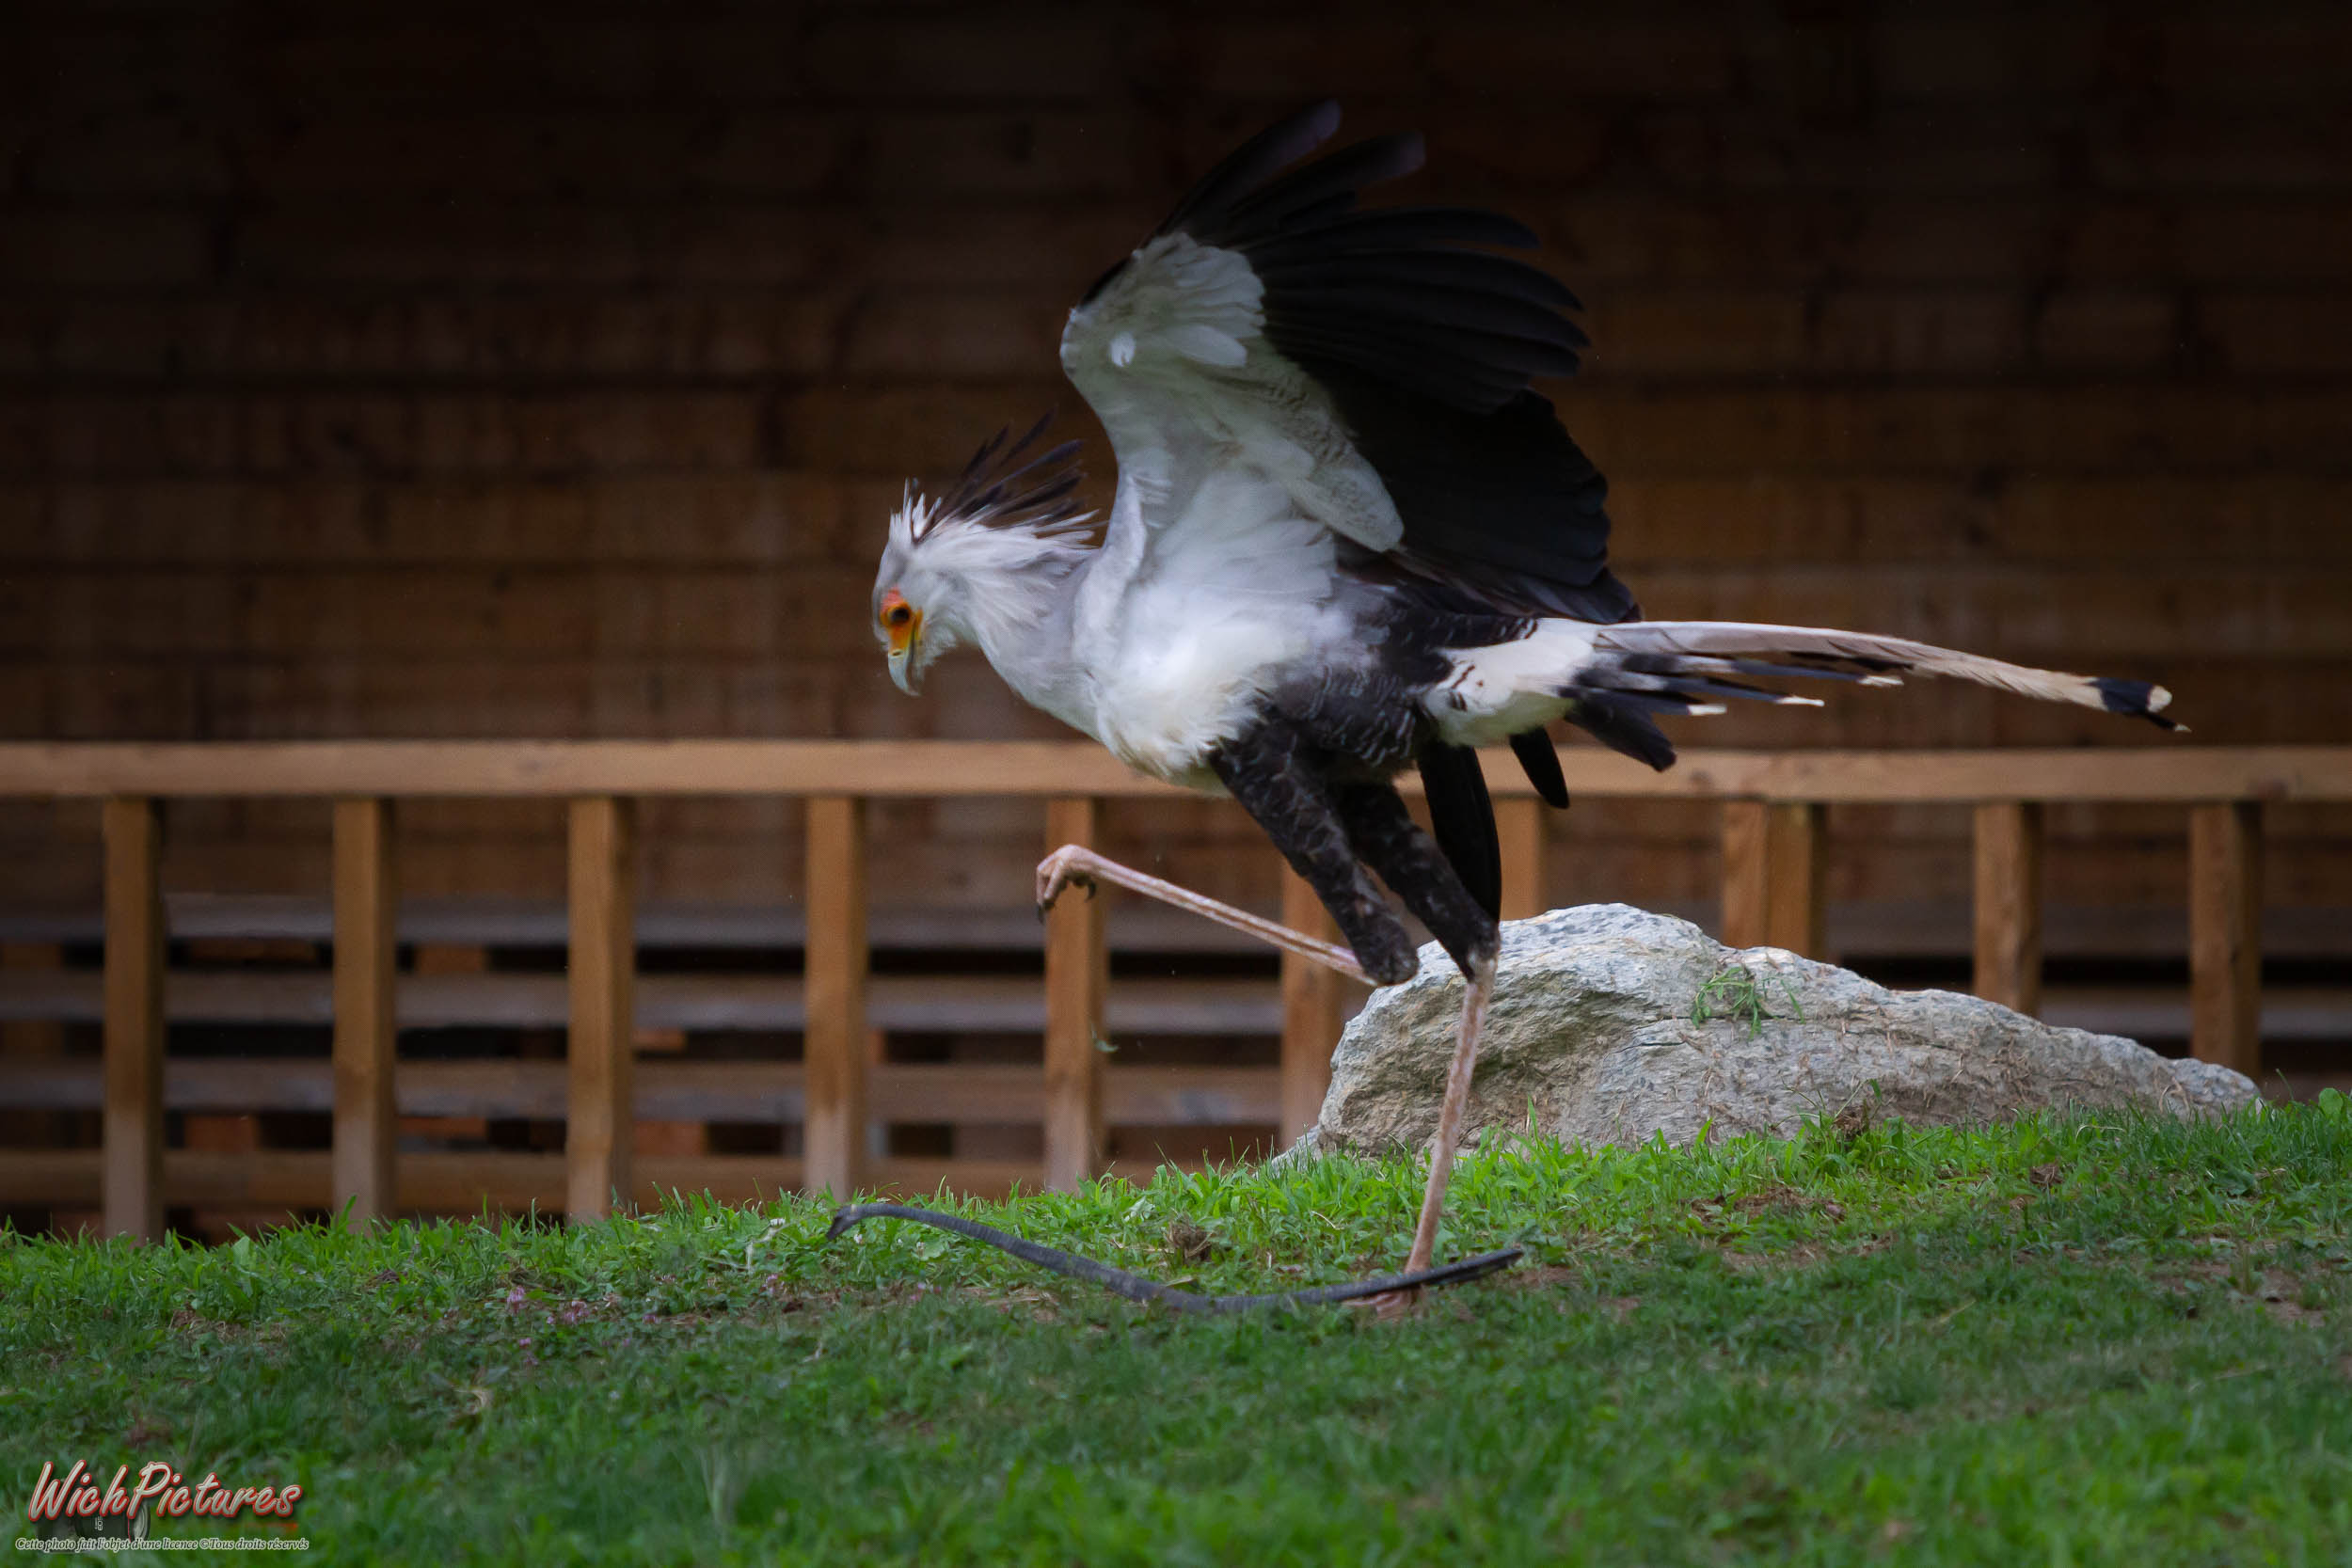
x=1005, y=530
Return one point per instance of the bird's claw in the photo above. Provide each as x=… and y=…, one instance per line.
x=1389, y=1305
x=1058, y=873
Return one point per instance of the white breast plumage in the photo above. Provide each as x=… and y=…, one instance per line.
x=1180, y=641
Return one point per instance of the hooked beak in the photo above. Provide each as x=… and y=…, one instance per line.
x=910, y=683
x=903, y=624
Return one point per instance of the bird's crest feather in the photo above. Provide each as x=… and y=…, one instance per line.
x=1037, y=498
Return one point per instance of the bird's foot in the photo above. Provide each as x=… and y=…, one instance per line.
x=1066, y=867
x=1389, y=1305
x=1395, y=967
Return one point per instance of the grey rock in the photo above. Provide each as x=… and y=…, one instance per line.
x=1610, y=1025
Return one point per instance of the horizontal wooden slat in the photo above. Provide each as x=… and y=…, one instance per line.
x=760, y=1091
x=753, y=1091
x=1935, y=130
x=906, y=1003
x=913, y=1005
x=1885, y=928
x=491, y=922
x=651, y=522
x=715, y=331
x=1833, y=428
x=918, y=769
x=1628, y=236
x=723, y=63
x=563, y=768
x=633, y=690
x=879, y=428
x=464, y=1183
x=762, y=519
x=2318, y=1013
x=727, y=618
x=2131, y=859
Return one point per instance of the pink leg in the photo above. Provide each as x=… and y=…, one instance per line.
x=1457, y=1081
x=1075, y=864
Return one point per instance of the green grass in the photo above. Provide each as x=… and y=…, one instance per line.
x=2069, y=1341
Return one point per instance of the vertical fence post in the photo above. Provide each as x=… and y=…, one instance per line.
x=603, y=968
x=1746, y=873
x=1520, y=827
x=1796, y=897
x=1078, y=967
x=366, y=1028
x=1311, y=1013
x=1776, y=882
x=835, y=1048
x=2225, y=901
x=131, y=1187
x=2008, y=904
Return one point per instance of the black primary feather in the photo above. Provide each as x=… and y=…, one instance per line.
x=1476, y=271
x=1252, y=164
x=1328, y=186
x=1503, y=505
x=1451, y=380
x=1462, y=819
x=1419, y=231
x=1541, y=764
x=1622, y=726
x=1424, y=307
x=1435, y=333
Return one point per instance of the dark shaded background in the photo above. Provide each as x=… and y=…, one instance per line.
x=464, y=369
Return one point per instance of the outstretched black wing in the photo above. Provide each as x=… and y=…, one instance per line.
x=1426, y=339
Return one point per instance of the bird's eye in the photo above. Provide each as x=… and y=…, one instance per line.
x=897, y=615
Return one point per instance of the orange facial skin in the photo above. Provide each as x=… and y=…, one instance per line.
x=900, y=621
x=901, y=627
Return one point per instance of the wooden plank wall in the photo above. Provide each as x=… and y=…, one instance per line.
x=435, y=369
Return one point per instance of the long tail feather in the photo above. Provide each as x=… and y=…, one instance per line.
x=1691, y=657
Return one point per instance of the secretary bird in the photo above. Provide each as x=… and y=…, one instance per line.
x=1347, y=538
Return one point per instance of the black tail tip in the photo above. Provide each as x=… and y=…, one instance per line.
x=2135, y=700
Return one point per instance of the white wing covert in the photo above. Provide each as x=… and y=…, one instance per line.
x=1170, y=352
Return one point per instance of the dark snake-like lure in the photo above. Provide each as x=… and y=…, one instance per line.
x=1136, y=1287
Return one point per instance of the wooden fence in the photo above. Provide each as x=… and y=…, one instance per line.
x=1774, y=892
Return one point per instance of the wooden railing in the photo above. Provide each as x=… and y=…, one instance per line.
x=1774, y=892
